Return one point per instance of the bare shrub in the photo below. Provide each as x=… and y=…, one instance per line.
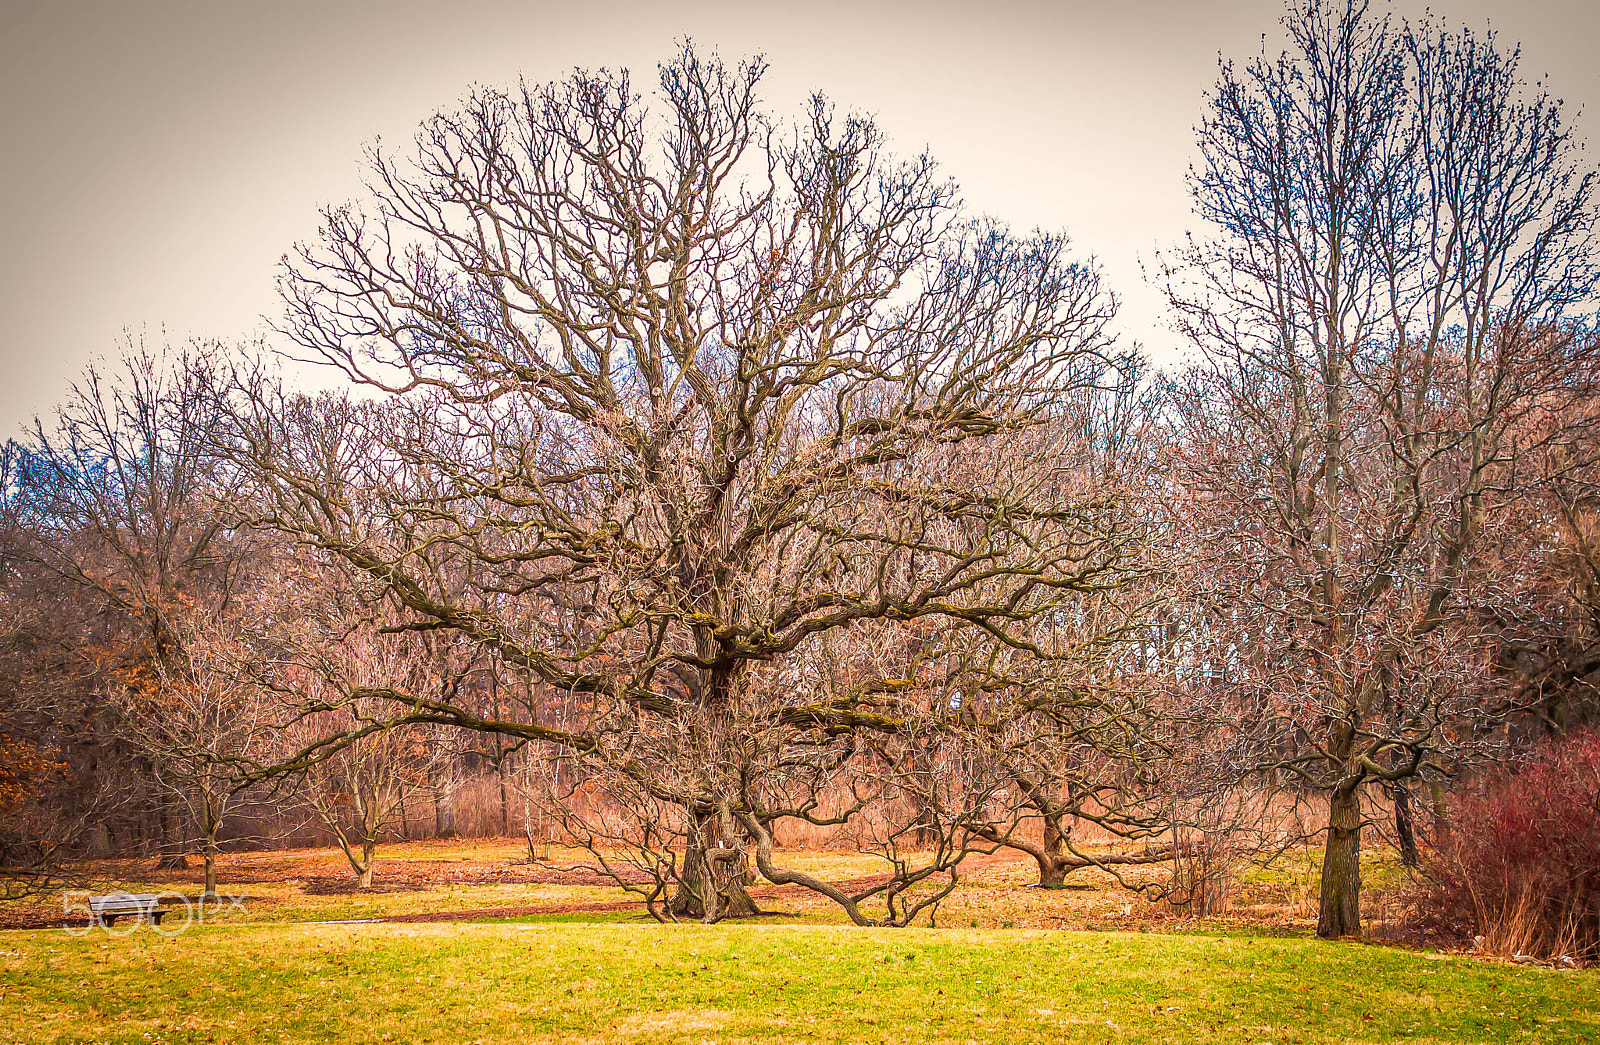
x=1215, y=834
x=1520, y=865
x=1205, y=871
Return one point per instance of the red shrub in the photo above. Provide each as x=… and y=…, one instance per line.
x=1520, y=863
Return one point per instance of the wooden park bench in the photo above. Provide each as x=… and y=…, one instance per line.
x=107, y=909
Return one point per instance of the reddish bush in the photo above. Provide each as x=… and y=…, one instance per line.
x=1519, y=865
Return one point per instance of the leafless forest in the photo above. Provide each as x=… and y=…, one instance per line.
x=706, y=481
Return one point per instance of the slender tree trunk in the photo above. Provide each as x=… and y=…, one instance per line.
x=1402, y=824
x=210, y=850
x=1341, y=866
x=371, y=824
x=924, y=833
x=172, y=847
x=1441, y=811
x=210, y=824
x=505, y=797
x=500, y=762
x=368, y=862
x=444, y=814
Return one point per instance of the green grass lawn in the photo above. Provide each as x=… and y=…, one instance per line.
x=1007, y=964
x=639, y=982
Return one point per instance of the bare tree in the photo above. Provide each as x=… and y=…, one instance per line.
x=359, y=792
x=40, y=819
x=685, y=392
x=125, y=510
x=203, y=722
x=336, y=670
x=1403, y=230
x=1088, y=737
x=1550, y=636
x=30, y=845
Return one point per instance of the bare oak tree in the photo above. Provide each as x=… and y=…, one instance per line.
x=679, y=393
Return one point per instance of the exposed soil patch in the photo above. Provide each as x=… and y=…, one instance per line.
x=489, y=913
x=325, y=877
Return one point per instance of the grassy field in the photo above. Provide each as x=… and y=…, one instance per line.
x=572, y=973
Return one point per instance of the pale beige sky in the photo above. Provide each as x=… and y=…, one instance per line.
x=159, y=156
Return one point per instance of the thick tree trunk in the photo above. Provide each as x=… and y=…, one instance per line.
x=1056, y=859
x=1402, y=825
x=714, y=879
x=716, y=870
x=101, y=839
x=1053, y=857
x=1341, y=867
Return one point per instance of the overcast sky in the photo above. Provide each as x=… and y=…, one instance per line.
x=161, y=155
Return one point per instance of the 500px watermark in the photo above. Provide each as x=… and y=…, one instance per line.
x=169, y=913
